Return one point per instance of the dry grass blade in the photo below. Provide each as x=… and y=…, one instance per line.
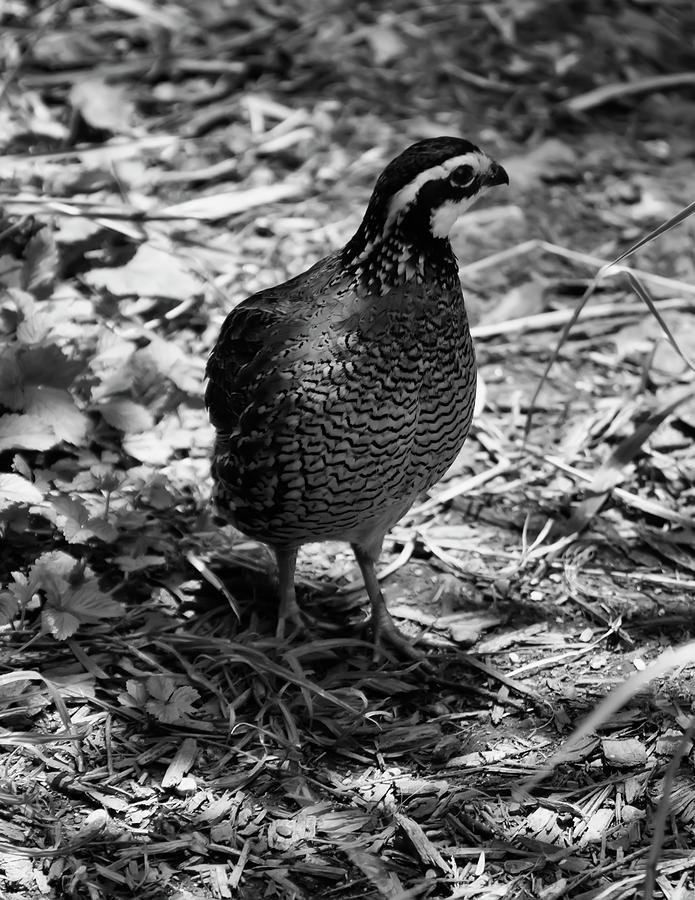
x=644, y=295
x=216, y=582
x=664, y=808
x=588, y=259
x=258, y=659
x=584, y=299
x=675, y=220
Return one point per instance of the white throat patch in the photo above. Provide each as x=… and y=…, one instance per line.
x=444, y=216
x=406, y=196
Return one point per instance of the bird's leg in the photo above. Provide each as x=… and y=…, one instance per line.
x=287, y=562
x=384, y=628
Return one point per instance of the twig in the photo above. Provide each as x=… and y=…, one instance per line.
x=487, y=84
x=681, y=584
x=608, y=92
x=502, y=256
x=548, y=320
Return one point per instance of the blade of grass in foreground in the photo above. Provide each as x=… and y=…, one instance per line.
x=644, y=295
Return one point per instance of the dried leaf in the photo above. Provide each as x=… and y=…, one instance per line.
x=376, y=872
x=150, y=273
x=624, y=752
x=525, y=300
x=422, y=845
x=385, y=42
x=48, y=365
x=167, y=359
x=20, y=432
x=181, y=764
x=128, y=564
x=33, y=329
x=15, y=489
x=148, y=448
x=103, y=105
x=127, y=415
x=56, y=408
x=40, y=264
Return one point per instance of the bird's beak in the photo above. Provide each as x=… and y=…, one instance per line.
x=495, y=175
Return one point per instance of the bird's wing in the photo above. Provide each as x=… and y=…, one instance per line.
x=258, y=339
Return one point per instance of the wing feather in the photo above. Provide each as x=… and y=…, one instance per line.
x=259, y=336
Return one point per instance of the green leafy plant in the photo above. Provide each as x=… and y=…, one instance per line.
x=160, y=697
x=70, y=590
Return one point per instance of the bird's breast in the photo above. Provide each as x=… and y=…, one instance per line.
x=365, y=417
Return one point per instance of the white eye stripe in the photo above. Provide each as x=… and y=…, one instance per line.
x=407, y=194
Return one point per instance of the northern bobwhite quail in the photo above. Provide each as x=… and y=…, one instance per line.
x=340, y=395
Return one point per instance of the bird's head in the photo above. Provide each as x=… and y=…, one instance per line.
x=415, y=202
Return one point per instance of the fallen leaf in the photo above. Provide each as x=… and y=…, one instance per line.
x=551, y=158
x=150, y=273
x=15, y=489
x=40, y=264
x=127, y=415
x=525, y=300
x=48, y=365
x=103, y=105
x=20, y=432
x=385, y=42
x=56, y=408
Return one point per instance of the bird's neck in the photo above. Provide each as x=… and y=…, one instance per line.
x=382, y=260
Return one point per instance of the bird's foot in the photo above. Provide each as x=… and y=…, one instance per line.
x=289, y=612
x=386, y=632
x=297, y=622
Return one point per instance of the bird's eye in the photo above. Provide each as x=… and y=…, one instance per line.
x=462, y=176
